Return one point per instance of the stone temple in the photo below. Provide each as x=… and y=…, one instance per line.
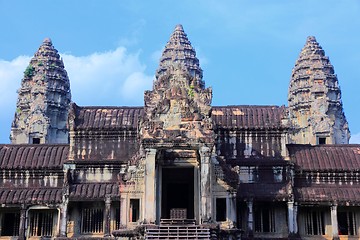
x=178, y=167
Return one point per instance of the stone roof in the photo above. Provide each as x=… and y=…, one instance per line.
x=248, y=117
x=342, y=195
x=42, y=156
x=234, y=117
x=110, y=118
x=325, y=157
x=31, y=196
x=178, y=50
x=94, y=191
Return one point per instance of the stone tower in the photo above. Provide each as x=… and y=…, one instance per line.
x=314, y=99
x=43, y=101
x=178, y=51
x=177, y=134
x=179, y=101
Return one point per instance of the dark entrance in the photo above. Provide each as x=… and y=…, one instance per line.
x=177, y=191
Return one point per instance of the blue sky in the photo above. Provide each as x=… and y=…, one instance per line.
x=247, y=49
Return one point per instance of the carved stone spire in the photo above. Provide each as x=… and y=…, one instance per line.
x=178, y=107
x=314, y=99
x=178, y=51
x=43, y=101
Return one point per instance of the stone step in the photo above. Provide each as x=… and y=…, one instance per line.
x=177, y=232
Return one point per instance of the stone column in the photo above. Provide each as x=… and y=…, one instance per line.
x=231, y=210
x=291, y=223
x=63, y=216
x=150, y=193
x=295, y=219
x=22, y=222
x=123, y=212
x=205, y=187
x=250, y=220
x=107, y=216
x=334, y=222
x=158, y=193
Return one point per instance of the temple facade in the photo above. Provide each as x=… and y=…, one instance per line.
x=179, y=167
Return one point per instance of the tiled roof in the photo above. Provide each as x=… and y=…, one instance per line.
x=30, y=156
x=107, y=117
x=264, y=191
x=325, y=157
x=91, y=191
x=31, y=196
x=239, y=117
x=328, y=193
x=248, y=117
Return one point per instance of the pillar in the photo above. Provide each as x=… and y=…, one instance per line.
x=123, y=212
x=150, y=193
x=296, y=229
x=63, y=217
x=205, y=187
x=250, y=220
x=334, y=222
x=22, y=222
x=231, y=210
x=107, y=216
x=291, y=217
x=197, y=204
x=158, y=169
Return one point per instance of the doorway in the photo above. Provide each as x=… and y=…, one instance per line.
x=177, y=192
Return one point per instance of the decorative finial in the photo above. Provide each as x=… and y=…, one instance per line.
x=47, y=40
x=179, y=27
x=311, y=39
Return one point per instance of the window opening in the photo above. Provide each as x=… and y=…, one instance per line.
x=92, y=220
x=347, y=223
x=134, y=210
x=322, y=140
x=41, y=223
x=10, y=224
x=314, y=223
x=117, y=218
x=264, y=219
x=221, y=209
x=36, y=140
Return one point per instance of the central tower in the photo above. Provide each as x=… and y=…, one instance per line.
x=177, y=135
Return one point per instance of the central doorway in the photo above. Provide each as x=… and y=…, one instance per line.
x=177, y=191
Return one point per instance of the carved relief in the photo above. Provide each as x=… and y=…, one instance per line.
x=44, y=97
x=314, y=98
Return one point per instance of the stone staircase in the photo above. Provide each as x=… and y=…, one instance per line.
x=177, y=232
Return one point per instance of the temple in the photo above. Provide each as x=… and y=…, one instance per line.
x=179, y=167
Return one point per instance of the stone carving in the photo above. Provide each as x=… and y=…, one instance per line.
x=44, y=98
x=315, y=106
x=178, y=108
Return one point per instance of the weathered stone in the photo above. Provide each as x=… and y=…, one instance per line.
x=314, y=98
x=44, y=98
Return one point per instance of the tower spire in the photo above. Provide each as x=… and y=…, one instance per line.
x=43, y=100
x=314, y=98
x=178, y=51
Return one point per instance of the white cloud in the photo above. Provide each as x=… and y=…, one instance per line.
x=134, y=86
x=355, y=138
x=156, y=55
x=11, y=73
x=114, y=77
x=110, y=78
